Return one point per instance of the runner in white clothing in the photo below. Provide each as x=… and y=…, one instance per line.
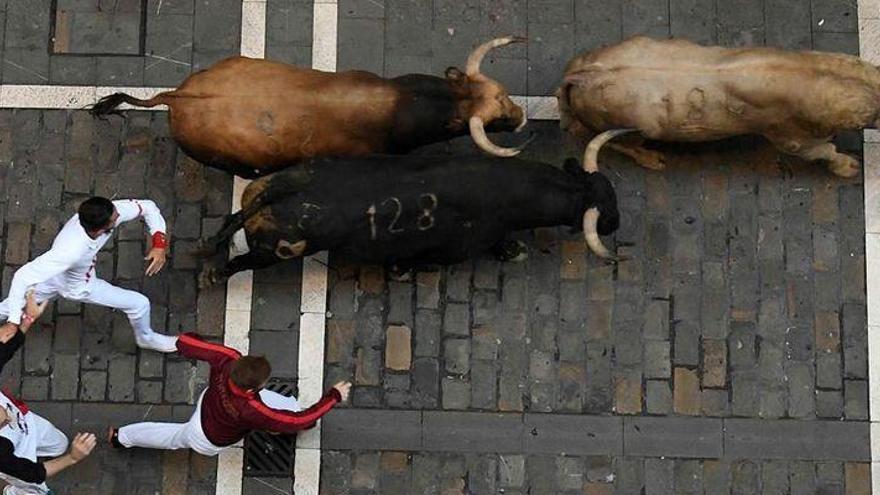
x=67, y=269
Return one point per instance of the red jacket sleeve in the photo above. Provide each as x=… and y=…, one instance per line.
x=263, y=418
x=191, y=346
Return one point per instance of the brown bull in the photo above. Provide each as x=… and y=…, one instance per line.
x=251, y=117
x=675, y=90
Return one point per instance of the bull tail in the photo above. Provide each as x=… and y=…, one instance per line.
x=107, y=105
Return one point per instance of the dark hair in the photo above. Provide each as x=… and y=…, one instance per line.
x=95, y=213
x=250, y=372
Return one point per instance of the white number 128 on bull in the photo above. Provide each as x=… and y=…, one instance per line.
x=427, y=203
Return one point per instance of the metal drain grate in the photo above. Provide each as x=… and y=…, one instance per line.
x=267, y=455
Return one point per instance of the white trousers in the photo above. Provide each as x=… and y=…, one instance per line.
x=190, y=435
x=42, y=440
x=134, y=304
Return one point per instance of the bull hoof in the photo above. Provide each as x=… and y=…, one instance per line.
x=653, y=160
x=513, y=251
x=209, y=277
x=846, y=167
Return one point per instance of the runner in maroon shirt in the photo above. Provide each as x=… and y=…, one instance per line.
x=234, y=404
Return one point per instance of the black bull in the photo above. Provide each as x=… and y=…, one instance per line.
x=411, y=210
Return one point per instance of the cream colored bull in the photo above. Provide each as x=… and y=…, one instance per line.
x=675, y=90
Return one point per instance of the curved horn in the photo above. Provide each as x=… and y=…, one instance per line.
x=591, y=155
x=478, y=132
x=591, y=234
x=476, y=56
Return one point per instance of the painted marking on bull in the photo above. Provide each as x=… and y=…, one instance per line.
x=427, y=211
x=392, y=229
x=427, y=202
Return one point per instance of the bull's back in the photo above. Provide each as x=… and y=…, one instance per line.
x=264, y=114
x=409, y=209
x=678, y=90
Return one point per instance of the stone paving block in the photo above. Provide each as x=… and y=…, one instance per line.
x=472, y=432
x=745, y=477
x=177, y=382
x=35, y=388
x=148, y=392
x=427, y=333
x=483, y=385
x=456, y=320
x=168, y=49
x=355, y=429
x=550, y=48
x=659, y=476
x=93, y=386
x=802, y=477
x=687, y=344
x=649, y=18
x=826, y=440
x=368, y=367
x=457, y=355
x=692, y=19
x=673, y=437
x=788, y=24
x=686, y=392
x=121, y=379
x=400, y=303
x=119, y=71
x=858, y=478
x=853, y=325
x=829, y=404
x=456, y=393
x=715, y=403
x=832, y=17
x=629, y=475
x=573, y=435
x=425, y=390
x=856, y=399
x=658, y=397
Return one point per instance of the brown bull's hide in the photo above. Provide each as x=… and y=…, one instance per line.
x=251, y=116
x=675, y=90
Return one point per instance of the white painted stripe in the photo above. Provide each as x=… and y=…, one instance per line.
x=306, y=471
x=324, y=24
x=538, y=107
x=240, y=287
x=229, y=471
x=869, y=49
x=253, y=28
x=313, y=306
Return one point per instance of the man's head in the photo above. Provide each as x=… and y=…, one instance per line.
x=250, y=372
x=97, y=214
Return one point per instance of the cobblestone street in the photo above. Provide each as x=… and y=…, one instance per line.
x=727, y=354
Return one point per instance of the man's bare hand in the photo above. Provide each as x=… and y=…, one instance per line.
x=156, y=257
x=7, y=331
x=33, y=310
x=344, y=388
x=82, y=446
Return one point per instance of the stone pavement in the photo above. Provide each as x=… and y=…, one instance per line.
x=743, y=303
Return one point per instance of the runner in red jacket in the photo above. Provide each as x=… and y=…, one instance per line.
x=234, y=404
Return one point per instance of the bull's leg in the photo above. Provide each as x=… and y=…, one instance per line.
x=649, y=159
x=839, y=163
x=254, y=260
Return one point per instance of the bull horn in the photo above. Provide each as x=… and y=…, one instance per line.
x=476, y=56
x=591, y=155
x=591, y=234
x=478, y=132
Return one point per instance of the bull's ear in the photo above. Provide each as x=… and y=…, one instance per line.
x=572, y=167
x=577, y=78
x=454, y=75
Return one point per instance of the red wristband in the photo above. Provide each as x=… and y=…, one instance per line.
x=159, y=240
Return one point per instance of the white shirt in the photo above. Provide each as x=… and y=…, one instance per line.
x=73, y=255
